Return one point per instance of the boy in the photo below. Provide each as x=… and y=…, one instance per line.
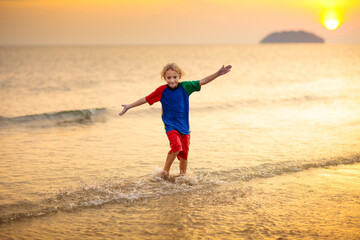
x=174, y=97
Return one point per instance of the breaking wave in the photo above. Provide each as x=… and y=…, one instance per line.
x=57, y=118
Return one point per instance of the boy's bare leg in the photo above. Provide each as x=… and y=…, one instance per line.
x=183, y=166
x=169, y=160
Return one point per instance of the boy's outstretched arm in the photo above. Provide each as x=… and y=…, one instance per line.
x=223, y=70
x=134, y=104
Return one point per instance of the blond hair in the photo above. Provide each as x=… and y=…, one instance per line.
x=173, y=67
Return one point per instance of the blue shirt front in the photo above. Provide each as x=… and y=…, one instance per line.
x=175, y=105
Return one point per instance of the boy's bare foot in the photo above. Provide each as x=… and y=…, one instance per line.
x=165, y=175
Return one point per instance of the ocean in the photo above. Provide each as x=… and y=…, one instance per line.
x=274, y=153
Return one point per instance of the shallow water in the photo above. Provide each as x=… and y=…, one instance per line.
x=268, y=145
x=306, y=205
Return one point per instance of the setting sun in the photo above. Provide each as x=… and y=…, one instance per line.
x=332, y=24
x=331, y=19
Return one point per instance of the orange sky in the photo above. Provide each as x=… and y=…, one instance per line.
x=169, y=22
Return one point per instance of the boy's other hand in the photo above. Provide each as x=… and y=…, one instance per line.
x=126, y=107
x=223, y=70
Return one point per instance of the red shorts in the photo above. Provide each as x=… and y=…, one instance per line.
x=179, y=143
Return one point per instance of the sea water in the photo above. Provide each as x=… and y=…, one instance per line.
x=274, y=153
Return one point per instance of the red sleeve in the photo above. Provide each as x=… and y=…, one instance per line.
x=156, y=95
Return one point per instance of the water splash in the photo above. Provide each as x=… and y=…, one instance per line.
x=131, y=191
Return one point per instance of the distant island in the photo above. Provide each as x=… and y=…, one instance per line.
x=292, y=37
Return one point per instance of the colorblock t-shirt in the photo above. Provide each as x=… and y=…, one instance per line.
x=175, y=104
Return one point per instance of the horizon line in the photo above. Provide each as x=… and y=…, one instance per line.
x=161, y=45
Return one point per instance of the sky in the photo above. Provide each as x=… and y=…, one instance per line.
x=171, y=22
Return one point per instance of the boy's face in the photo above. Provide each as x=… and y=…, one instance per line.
x=172, y=78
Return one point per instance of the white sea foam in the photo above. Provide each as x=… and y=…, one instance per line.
x=129, y=191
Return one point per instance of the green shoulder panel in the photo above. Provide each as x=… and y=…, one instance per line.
x=191, y=86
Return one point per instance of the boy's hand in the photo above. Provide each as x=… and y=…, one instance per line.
x=223, y=70
x=134, y=104
x=126, y=107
